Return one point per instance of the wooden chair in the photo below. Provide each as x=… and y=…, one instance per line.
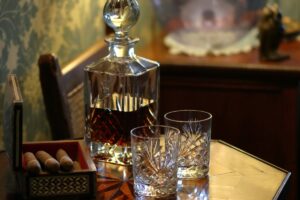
x=63, y=91
x=12, y=120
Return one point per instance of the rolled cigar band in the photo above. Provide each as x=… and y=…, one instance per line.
x=48, y=161
x=32, y=164
x=66, y=163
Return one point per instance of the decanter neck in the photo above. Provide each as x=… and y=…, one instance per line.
x=121, y=48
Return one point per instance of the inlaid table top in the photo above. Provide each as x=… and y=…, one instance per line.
x=234, y=174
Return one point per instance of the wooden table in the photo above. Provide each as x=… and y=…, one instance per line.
x=234, y=174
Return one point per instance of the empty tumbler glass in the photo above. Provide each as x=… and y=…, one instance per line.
x=154, y=155
x=195, y=128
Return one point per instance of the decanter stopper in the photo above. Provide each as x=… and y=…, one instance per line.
x=121, y=15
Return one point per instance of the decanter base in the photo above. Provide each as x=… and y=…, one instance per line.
x=104, y=152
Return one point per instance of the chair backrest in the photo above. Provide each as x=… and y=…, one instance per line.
x=12, y=120
x=63, y=91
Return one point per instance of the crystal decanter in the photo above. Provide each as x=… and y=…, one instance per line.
x=122, y=89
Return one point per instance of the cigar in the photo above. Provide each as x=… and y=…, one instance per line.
x=48, y=161
x=32, y=164
x=66, y=163
x=76, y=166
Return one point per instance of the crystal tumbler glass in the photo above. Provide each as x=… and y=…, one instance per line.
x=154, y=156
x=195, y=128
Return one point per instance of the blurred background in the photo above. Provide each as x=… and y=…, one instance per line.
x=64, y=27
x=29, y=28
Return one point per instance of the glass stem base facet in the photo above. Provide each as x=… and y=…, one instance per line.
x=142, y=190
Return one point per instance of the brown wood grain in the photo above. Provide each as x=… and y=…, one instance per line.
x=243, y=61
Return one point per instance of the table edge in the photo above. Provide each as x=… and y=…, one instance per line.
x=285, y=180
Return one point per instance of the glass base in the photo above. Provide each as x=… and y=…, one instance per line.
x=142, y=191
x=193, y=189
x=110, y=153
x=192, y=172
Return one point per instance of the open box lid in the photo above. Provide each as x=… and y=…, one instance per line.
x=12, y=121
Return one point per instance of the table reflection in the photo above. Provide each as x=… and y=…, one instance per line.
x=197, y=189
x=116, y=182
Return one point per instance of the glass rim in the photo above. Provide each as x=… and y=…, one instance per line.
x=154, y=137
x=188, y=110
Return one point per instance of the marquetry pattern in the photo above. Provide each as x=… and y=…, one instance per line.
x=58, y=185
x=114, y=182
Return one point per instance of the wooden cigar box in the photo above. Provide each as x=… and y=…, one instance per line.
x=74, y=184
x=77, y=182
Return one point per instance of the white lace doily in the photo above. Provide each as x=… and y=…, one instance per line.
x=211, y=42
